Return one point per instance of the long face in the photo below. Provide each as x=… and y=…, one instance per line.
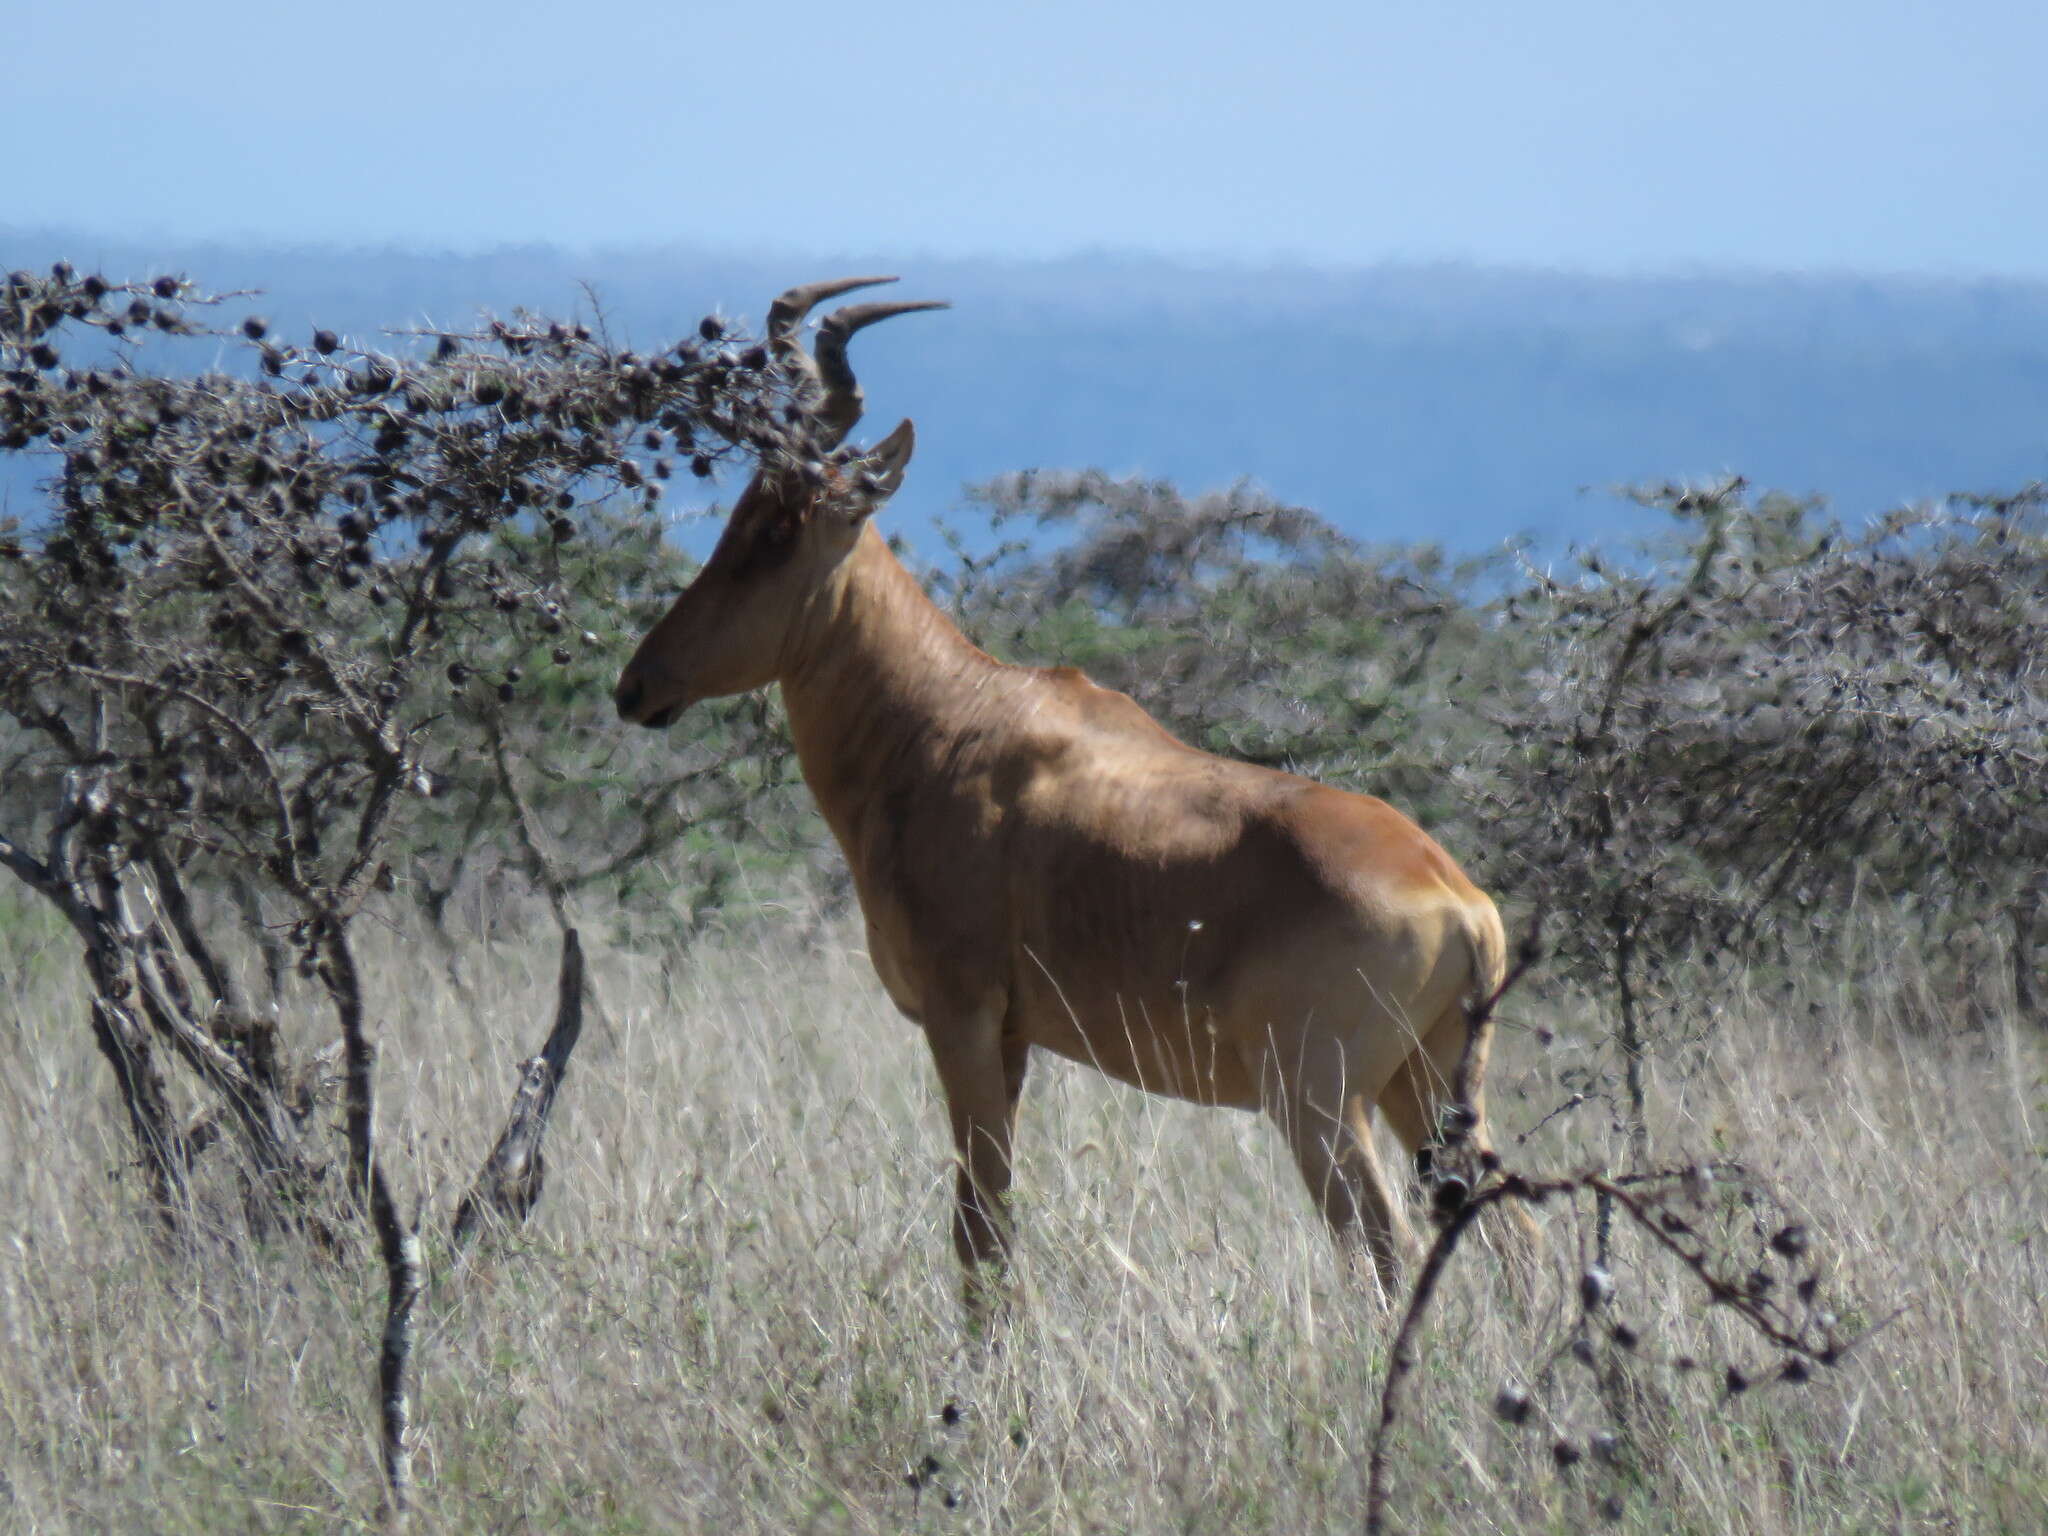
x=740, y=623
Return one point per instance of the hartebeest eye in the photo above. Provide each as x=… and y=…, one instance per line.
x=772, y=545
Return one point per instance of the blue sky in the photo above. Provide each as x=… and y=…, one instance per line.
x=1880, y=136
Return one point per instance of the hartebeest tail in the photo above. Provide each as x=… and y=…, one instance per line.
x=1040, y=864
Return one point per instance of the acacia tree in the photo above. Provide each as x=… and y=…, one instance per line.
x=547, y=793
x=1718, y=750
x=227, y=653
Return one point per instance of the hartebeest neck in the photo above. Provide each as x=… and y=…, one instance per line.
x=884, y=688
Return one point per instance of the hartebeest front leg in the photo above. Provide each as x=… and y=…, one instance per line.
x=981, y=1069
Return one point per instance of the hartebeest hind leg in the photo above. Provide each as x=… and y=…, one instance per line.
x=1418, y=1093
x=1414, y=1101
x=981, y=1069
x=1329, y=1131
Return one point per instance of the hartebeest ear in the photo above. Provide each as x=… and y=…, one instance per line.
x=880, y=470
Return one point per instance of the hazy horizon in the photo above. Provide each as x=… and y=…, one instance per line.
x=909, y=257
x=1453, y=403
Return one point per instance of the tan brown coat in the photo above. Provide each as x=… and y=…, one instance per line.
x=1041, y=865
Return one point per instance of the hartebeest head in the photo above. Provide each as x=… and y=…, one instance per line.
x=738, y=625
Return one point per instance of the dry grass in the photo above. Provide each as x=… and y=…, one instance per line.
x=736, y=1308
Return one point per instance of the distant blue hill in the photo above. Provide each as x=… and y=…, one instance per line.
x=1453, y=404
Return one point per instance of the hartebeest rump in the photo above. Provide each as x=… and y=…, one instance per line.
x=1041, y=864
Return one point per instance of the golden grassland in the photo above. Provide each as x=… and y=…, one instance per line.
x=736, y=1309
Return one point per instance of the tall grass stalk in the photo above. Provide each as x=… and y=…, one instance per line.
x=736, y=1307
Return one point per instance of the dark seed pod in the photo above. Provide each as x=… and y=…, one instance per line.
x=165, y=287
x=1735, y=1381
x=255, y=327
x=700, y=466
x=1790, y=1241
x=1457, y=1122
x=325, y=342
x=1566, y=1455
x=710, y=328
x=1512, y=1405
x=1450, y=1194
x=1596, y=1286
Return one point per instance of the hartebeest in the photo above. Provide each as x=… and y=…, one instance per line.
x=1041, y=864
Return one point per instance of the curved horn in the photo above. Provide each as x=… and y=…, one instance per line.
x=843, y=401
x=840, y=408
x=787, y=312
